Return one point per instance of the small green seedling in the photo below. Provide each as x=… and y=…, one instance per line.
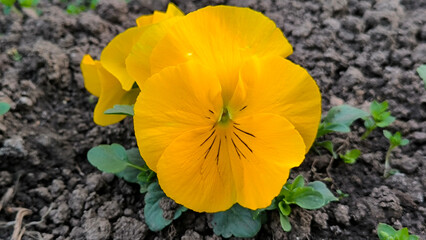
x=386, y=232
x=312, y=196
x=341, y=194
x=395, y=141
x=338, y=119
x=78, y=6
x=9, y=4
x=422, y=73
x=379, y=117
x=350, y=156
x=4, y=108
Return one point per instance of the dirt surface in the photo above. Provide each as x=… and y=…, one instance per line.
x=357, y=51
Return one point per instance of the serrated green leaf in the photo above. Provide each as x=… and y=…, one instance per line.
x=351, y=156
x=384, y=231
x=285, y=223
x=306, y=197
x=320, y=187
x=236, y=221
x=108, y=158
x=152, y=210
x=421, y=70
x=329, y=146
x=4, y=108
x=386, y=122
x=121, y=110
x=284, y=208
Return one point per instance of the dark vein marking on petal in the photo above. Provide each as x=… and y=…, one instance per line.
x=211, y=111
x=244, y=131
x=208, y=150
x=218, y=152
x=208, y=137
x=239, y=153
x=245, y=144
x=243, y=108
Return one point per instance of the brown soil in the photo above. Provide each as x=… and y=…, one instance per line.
x=357, y=51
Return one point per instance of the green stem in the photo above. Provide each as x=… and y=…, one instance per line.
x=387, y=162
x=137, y=167
x=367, y=133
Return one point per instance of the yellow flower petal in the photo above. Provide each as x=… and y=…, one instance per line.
x=111, y=94
x=89, y=69
x=276, y=85
x=208, y=170
x=266, y=146
x=221, y=37
x=172, y=11
x=138, y=61
x=104, y=85
x=172, y=102
x=196, y=173
x=114, y=55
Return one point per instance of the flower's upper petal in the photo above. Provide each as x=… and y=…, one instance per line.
x=137, y=62
x=276, y=85
x=263, y=149
x=195, y=171
x=172, y=11
x=221, y=37
x=176, y=100
x=115, y=53
x=111, y=94
x=89, y=69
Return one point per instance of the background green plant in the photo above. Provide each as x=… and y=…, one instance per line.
x=395, y=141
x=386, y=232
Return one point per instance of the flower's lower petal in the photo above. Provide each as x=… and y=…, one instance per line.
x=111, y=94
x=195, y=171
x=222, y=37
x=114, y=55
x=89, y=69
x=176, y=100
x=138, y=61
x=276, y=85
x=263, y=148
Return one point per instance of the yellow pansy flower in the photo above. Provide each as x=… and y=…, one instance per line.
x=224, y=117
x=108, y=78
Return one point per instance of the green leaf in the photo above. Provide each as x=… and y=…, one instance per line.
x=385, y=231
x=386, y=122
x=4, y=108
x=285, y=223
x=28, y=3
x=421, y=70
x=351, y=156
x=329, y=146
x=387, y=134
x=121, y=110
x=93, y=4
x=130, y=174
x=402, y=234
x=108, y=158
x=297, y=182
x=236, y=221
x=320, y=187
x=413, y=237
x=8, y=3
x=369, y=123
x=152, y=210
x=284, y=208
x=306, y=197
x=404, y=142
x=339, y=119
x=273, y=206
x=377, y=108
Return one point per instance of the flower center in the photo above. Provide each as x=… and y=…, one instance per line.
x=225, y=117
